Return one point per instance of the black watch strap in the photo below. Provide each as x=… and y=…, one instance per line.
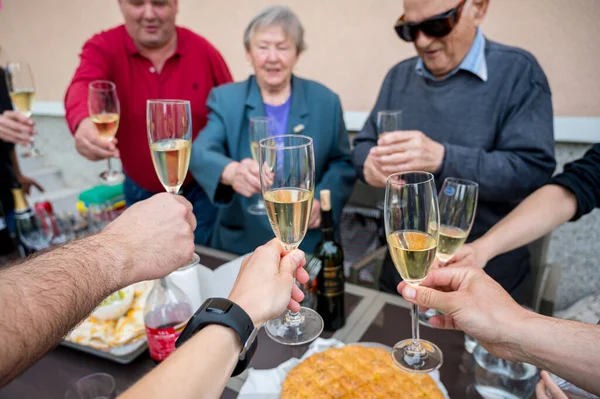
x=225, y=313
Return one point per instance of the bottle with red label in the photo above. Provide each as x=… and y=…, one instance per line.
x=166, y=313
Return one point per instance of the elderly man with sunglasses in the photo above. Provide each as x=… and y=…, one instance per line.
x=471, y=108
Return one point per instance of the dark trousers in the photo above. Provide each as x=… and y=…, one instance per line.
x=511, y=270
x=204, y=211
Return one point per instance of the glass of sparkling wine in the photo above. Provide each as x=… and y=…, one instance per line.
x=287, y=179
x=104, y=109
x=21, y=88
x=412, y=221
x=388, y=121
x=169, y=124
x=260, y=127
x=458, y=205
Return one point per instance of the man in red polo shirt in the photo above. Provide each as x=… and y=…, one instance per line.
x=148, y=57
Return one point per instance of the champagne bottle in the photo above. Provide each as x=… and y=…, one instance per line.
x=23, y=217
x=7, y=245
x=330, y=280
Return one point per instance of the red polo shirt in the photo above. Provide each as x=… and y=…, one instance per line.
x=190, y=74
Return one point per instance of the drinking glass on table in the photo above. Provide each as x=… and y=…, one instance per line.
x=21, y=88
x=93, y=386
x=458, y=205
x=287, y=179
x=388, y=121
x=260, y=127
x=412, y=222
x=104, y=109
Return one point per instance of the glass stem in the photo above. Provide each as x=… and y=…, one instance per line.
x=414, y=317
x=109, y=167
x=294, y=318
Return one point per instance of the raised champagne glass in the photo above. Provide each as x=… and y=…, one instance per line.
x=458, y=205
x=412, y=221
x=169, y=125
x=388, y=121
x=287, y=179
x=104, y=109
x=260, y=127
x=21, y=88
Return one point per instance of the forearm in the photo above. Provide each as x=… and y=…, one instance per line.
x=566, y=348
x=502, y=175
x=199, y=369
x=47, y=295
x=539, y=214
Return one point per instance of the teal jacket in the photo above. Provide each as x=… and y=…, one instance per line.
x=225, y=138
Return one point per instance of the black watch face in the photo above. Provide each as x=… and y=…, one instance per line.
x=219, y=305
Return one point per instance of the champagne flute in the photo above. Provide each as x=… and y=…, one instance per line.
x=104, y=108
x=169, y=124
x=287, y=179
x=260, y=127
x=458, y=205
x=412, y=222
x=21, y=88
x=388, y=121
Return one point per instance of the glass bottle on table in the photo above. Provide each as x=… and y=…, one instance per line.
x=330, y=280
x=21, y=88
x=104, y=109
x=259, y=128
x=287, y=178
x=458, y=206
x=7, y=245
x=34, y=231
x=412, y=221
x=166, y=314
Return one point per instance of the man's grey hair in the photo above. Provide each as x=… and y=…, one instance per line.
x=277, y=15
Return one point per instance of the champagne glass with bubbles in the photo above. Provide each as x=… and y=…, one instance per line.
x=105, y=109
x=21, y=88
x=260, y=127
x=170, y=137
x=412, y=222
x=287, y=179
x=458, y=205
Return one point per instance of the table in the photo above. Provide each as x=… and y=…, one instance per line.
x=372, y=316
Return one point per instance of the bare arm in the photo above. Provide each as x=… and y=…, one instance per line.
x=48, y=294
x=264, y=288
x=474, y=303
x=539, y=214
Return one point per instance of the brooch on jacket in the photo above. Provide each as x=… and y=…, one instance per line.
x=298, y=128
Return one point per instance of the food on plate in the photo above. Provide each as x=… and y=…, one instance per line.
x=355, y=372
x=115, y=305
x=104, y=332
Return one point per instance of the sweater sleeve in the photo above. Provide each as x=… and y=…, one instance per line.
x=523, y=157
x=582, y=177
x=93, y=65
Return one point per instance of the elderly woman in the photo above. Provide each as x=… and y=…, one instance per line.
x=221, y=157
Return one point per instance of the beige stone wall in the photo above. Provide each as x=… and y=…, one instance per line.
x=351, y=42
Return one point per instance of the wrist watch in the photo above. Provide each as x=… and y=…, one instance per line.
x=225, y=313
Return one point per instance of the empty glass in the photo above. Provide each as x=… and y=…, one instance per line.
x=260, y=127
x=499, y=378
x=93, y=386
x=388, y=121
x=34, y=230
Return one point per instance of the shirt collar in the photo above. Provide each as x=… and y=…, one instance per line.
x=473, y=62
x=132, y=49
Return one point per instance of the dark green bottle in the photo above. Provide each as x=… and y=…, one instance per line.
x=330, y=280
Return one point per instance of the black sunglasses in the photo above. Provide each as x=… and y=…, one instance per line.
x=437, y=26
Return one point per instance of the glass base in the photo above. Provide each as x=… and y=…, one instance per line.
x=295, y=328
x=111, y=178
x=31, y=152
x=257, y=209
x=419, y=359
x=424, y=317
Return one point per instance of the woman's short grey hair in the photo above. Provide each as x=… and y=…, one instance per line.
x=277, y=15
